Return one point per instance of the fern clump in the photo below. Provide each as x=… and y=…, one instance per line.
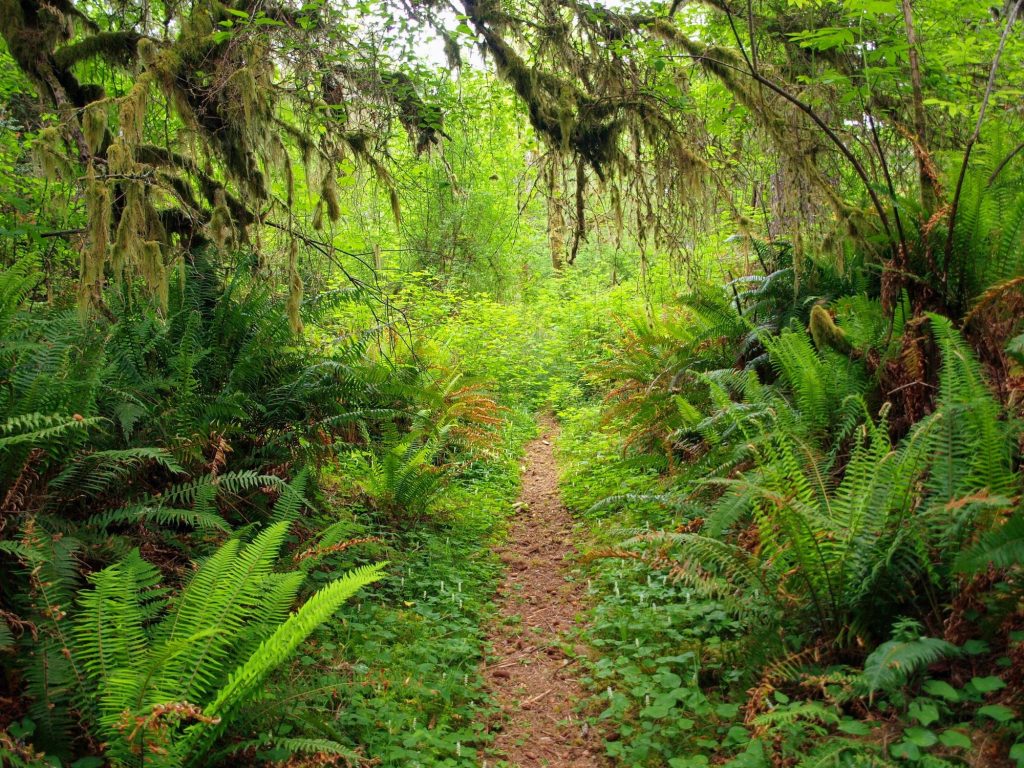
x=164, y=676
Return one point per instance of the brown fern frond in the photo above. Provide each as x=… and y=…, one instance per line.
x=990, y=298
x=611, y=553
x=341, y=546
x=15, y=498
x=221, y=449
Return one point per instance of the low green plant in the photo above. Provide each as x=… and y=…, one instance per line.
x=161, y=676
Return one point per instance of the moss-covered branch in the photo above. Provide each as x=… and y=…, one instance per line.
x=119, y=49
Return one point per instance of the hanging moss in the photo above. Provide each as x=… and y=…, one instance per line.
x=616, y=202
x=329, y=193
x=295, y=287
x=228, y=142
x=119, y=158
x=50, y=155
x=94, y=125
x=396, y=206
x=127, y=241
x=154, y=273
x=221, y=226
x=452, y=51
x=132, y=110
x=94, y=255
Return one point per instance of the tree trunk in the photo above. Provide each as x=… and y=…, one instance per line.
x=554, y=175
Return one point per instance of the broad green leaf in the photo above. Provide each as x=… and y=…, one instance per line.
x=922, y=737
x=987, y=684
x=997, y=712
x=941, y=689
x=955, y=739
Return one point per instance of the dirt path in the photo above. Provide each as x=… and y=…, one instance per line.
x=532, y=677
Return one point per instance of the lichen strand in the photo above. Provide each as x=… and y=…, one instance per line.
x=294, y=303
x=94, y=253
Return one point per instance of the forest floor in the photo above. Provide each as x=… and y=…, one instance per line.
x=533, y=669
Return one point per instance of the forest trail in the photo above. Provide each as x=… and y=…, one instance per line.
x=533, y=678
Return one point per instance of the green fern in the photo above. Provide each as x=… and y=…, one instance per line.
x=37, y=429
x=245, y=680
x=894, y=662
x=92, y=474
x=988, y=238
x=970, y=444
x=401, y=481
x=1001, y=547
x=213, y=646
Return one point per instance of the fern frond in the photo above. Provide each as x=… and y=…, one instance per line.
x=896, y=661
x=163, y=516
x=1001, y=547
x=271, y=653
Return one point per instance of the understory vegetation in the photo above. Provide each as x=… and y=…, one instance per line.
x=284, y=288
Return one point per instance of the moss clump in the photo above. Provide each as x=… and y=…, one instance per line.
x=825, y=332
x=94, y=125
x=117, y=48
x=221, y=226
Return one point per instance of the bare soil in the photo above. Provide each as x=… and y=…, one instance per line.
x=533, y=670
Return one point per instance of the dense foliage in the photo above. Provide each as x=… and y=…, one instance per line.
x=284, y=285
